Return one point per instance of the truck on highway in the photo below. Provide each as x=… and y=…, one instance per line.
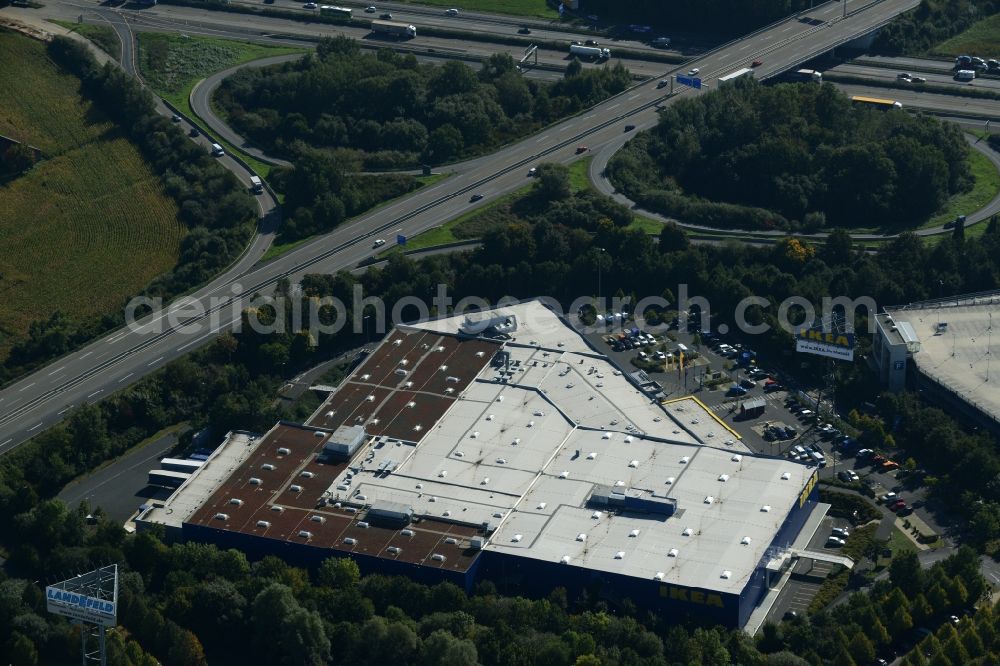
x=335, y=12
x=256, y=185
x=393, y=29
x=738, y=74
x=809, y=75
x=595, y=52
x=965, y=75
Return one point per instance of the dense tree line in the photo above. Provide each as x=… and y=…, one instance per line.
x=393, y=111
x=727, y=17
x=932, y=22
x=791, y=156
x=214, y=205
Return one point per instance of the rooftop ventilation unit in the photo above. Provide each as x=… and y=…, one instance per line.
x=501, y=461
x=786, y=476
x=633, y=464
x=736, y=457
x=596, y=515
x=350, y=541
x=305, y=534
x=236, y=502
x=317, y=519
x=263, y=524
x=283, y=451
x=489, y=417
x=765, y=508
x=620, y=555
x=581, y=537
x=606, y=435
x=564, y=559
x=541, y=505
x=634, y=533
x=222, y=516
x=254, y=481
x=267, y=466
x=726, y=574
x=517, y=538
x=475, y=435
x=687, y=531
x=407, y=533
x=745, y=541
x=709, y=499
x=670, y=480
x=659, y=575
x=307, y=475
x=592, y=455
x=278, y=509
x=685, y=460
x=394, y=550
x=723, y=477
x=438, y=557
x=485, y=482
x=564, y=475
x=673, y=552
x=443, y=473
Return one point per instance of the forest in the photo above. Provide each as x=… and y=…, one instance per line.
x=723, y=17
x=792, y=157
x=214, y=206
x=932, y=22
x=391, y=111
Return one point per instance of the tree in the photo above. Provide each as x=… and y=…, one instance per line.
x=552, y=181
x=21, y=651
x=861, y=649
x=338, y=572
x=443, y=649
x=673, y=238
x=285, y=632
x=900, y=622
x=445, y=143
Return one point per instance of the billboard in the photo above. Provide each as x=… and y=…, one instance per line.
x=90, y=597
x=825, y=343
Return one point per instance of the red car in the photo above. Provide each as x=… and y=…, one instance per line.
x=581, y=149
x=757, y=63
x=897, y=505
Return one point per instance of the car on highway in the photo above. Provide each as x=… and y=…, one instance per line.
x=475, y=197
x=835, y=542
x=757, y=63
x=379, y=243
x=581, y=149
x=918, y=79
x=310, y=5
x=175, y=118
x=591, y=42
x=662, y=84
x=451, y=12
x=524, y=30
x=193, y=131
x=386, y=16
x=217, y=150
x=903, y=76
x=694, y=72
x=370, y=10
x=532, y=172
x=629, y=128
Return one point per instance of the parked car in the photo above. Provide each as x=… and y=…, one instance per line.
x=532, y=172
x=897, y=505
x=193, y=131
x=903, y=76
x=790, y=432
x=735, y=390
x=840, y=532
x=835, y=542
x=746, y=382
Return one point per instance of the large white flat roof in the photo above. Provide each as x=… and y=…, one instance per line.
x=524, y=446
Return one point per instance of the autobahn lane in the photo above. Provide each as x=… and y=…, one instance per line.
x=881, y=75
x=937, y=102
x=120, y=359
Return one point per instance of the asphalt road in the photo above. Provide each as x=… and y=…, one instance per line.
x=121, y=358
x=942, y=78
x=937, y=102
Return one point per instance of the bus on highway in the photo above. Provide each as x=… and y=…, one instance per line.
x=336, y=12
x=876, y=102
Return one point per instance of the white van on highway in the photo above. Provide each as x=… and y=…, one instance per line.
x=256, y=184
x=965, y=75
x=217, y=150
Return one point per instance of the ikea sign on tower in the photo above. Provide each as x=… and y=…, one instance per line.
x=832, y=344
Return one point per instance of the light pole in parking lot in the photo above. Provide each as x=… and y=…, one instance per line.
x=600, y=260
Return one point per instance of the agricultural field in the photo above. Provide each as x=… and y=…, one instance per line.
x=90, y=223
x=981, y=39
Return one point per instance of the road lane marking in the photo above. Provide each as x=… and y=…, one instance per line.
x=633, y=96
x=7, y=442
x=125, y=377
x=65, y=410
x=95, y=393
x=541, y=138
x=62, y=367
x=35, y=427
x=22, y=390
x=154, y=362
x=86, y=355
x=615, y=106
x=564, y=128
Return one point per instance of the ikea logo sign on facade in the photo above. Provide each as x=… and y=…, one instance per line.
x=690, y=596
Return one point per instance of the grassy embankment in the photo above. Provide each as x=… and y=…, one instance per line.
x=88, y=225
x=526, y=8
x=102, y=36
x=173, y=64
x=982, y=39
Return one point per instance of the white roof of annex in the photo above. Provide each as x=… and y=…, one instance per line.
x=958, y=355
x=525, y=454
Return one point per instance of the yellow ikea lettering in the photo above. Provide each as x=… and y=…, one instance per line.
x=828, y=338
x=696, y=597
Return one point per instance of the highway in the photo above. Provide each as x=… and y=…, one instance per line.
x=123, y=357
x=938, y=102
x=881, y=75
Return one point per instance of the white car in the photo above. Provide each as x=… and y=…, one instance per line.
x=643, y=355
x=835, y=542
x=889, y=497
x=840, y=532
x=311, y=5
x=452, y=12
x=694, y=72
x=532, y=171
x=370, y=10
x=854, y=475
x=379, y=243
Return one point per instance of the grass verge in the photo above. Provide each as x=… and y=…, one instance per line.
x=90, y=213
x=102, y=36
x=980, y=38
x=527, y=8
x=986, y=187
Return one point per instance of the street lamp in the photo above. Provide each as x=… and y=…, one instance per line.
x=602, y=250
x=368, y=337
